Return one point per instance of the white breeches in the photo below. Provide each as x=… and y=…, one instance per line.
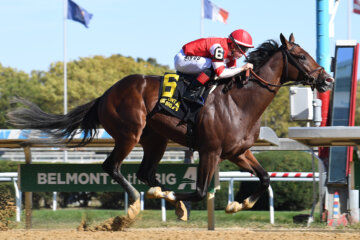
x=191, y=64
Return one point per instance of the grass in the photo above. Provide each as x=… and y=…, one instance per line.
x=71, y=218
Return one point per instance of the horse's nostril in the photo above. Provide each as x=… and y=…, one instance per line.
x=330, y=80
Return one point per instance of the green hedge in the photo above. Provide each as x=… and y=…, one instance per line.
x=9, y=166
x=8, y=187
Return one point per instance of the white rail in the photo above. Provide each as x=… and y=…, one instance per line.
x=274, y=176
x=54, y=155
x=89, y=156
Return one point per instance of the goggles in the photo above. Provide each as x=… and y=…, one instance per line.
x=243, y=49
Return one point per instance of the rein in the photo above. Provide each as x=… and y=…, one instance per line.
x=308, y=78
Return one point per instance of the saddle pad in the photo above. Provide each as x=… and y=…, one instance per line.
x=172, y=88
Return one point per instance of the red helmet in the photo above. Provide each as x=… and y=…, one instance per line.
x=242, y=38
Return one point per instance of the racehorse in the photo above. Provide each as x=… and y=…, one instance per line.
x=226, y=127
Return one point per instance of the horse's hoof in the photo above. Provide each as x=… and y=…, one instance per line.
x=154, y=192
x=236, y=207
x=247, y=204
x=233, y=207
x=134, y=209
x=169, y=196
x=181, y=211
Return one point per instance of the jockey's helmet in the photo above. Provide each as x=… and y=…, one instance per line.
x=241, y=38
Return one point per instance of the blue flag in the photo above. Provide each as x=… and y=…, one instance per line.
x=77, y=13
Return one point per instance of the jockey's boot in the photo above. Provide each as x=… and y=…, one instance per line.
x=194, y=93
x=197, y=88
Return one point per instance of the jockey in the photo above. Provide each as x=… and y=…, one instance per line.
x=207, y=55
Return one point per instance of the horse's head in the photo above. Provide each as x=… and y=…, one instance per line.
x=302, y=67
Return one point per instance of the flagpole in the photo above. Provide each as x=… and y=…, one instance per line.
x=201, y=19
x=65, y=69
x=65, y=63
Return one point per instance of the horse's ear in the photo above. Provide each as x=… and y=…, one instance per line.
x=283, y=40
x=291, y=38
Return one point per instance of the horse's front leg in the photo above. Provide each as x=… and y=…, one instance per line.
x=249, y=163
x=205, y=172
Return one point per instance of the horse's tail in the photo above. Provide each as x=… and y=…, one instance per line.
x=83, y=118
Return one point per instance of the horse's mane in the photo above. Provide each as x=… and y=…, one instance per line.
x=258, y=58
x=261, y=54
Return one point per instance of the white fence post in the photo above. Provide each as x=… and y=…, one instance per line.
x=141, y=201
x=271, y=205
x=54, y=201
x=18, y=196
x=231, y=191
x=126, y=203
x=163, y=210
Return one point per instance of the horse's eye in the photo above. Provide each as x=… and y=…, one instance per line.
x=302, y=57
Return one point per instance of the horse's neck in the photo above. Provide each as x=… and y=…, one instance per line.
x=272, y=70
x=260, y=97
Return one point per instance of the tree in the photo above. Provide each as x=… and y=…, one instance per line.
x=88, y=78
x=15, y=83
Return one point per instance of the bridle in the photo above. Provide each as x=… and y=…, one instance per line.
x=307, y=77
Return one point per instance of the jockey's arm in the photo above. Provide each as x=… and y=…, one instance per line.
x=223, y=72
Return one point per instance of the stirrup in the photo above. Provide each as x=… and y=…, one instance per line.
x=196, y=100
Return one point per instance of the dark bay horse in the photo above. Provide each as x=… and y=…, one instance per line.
x=226, y=127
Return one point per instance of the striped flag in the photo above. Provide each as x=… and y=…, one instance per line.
x=356, y=6
x=213, y=12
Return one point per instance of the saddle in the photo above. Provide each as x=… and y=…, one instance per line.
x=172, y=88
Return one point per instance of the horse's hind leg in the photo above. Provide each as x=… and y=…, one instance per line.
x=112, y=166
x=249, y=163
x=154, y=146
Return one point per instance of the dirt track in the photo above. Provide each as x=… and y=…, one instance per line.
x=180, y=233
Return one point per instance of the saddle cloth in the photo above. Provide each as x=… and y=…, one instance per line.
x=172, y=89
